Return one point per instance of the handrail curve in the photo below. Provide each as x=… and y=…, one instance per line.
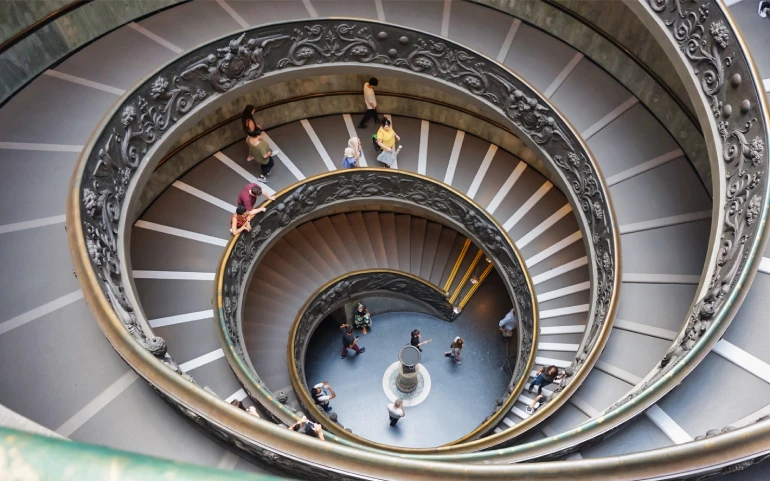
x=332, y=190
x=340, y=290
x=132, y=130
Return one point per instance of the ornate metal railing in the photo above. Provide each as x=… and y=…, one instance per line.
x=316, y=196
x=128, y=135
x=118, y=159
x=344, y=289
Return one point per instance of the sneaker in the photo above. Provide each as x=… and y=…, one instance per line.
x=342, y=357
x=398, y=150
x=529, y=389
x=275, y=151
x=361, y=126
x=529, y=409
x=363, y=350
x=262, y=179
x=459, y=362
x=447, y=354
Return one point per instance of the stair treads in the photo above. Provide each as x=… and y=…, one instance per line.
x=358, y=225
x=321, y=247
x=309, y=254
x=457, y=248
x=417, y=231
x=388, y=227
x=261, y=283
x=432, y=236
x=445, y=243
x=568, y=254
x=372, y=223
x=287, y=277
x=349, y=240
x=299, y=258
x=333, y=134
x=403, y=238
x=440, y=143
x=331, y=236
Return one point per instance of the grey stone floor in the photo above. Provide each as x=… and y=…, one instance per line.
x=461, y=396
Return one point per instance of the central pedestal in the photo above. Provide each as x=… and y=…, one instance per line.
x=408, y=369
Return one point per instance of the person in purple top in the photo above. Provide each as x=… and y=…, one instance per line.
x=248, y=197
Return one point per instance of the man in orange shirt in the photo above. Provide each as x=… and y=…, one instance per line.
x=371, y=103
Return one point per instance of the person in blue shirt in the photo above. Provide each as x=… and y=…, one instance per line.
x=349, y=161
x=508, y=324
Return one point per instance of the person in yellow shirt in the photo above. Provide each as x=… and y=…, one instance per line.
x=386, y=139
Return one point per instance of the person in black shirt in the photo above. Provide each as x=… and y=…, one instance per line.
x=415, y=340
x=349, y=342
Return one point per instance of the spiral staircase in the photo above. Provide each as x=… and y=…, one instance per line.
x=62, y=378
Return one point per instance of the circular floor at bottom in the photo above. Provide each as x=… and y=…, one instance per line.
x=460, y=397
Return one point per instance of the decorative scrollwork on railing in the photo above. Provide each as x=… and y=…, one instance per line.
x=311, y=196
x=700, y=30
x=354, y=286
x=147, y=115
x=153, y=109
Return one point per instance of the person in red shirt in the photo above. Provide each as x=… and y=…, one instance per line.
x=248, y=197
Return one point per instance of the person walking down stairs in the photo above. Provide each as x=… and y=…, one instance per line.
x=386, y=140
x=396, y=411
x=260, y=151
x=247, y=198
x=454, y=349
x=371, y=103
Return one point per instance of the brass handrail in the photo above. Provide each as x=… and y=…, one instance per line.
x=154, y=108
x=236, y=354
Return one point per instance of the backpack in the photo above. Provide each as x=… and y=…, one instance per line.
x=377, y=147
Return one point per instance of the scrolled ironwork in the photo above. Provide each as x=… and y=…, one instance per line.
x=351, y=286
x=311, y=197
x=114, y=156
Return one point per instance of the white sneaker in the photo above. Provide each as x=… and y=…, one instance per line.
x=276, y=151
x=398, y=150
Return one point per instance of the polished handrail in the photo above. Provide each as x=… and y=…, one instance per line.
x=309, y=198
x=52, y=16
x=297, y=347
x=128, y=139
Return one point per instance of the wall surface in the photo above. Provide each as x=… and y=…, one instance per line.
x=53, y=42
x=621, y=24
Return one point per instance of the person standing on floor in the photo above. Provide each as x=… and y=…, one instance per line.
x=349, y=161
x=386, y=140
x=260, y=151
x=350, y=342
x=454, y=349
x=248, y=197
x=321, y=397
x=240, y=221
x=396, y=411
x=416, y=340
x=371, y=103
x=508, y=324
x=361, y=318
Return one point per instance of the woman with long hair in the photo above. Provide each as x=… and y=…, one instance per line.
x=455, y=348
